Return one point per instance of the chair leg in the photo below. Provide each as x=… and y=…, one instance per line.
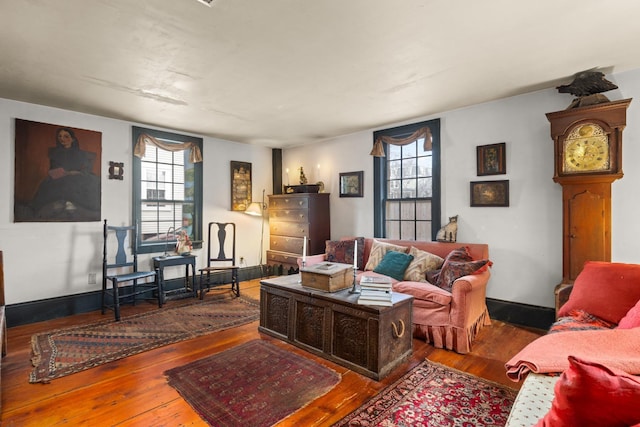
x=116, y=300
x=235, y=284
x=104, y=293
x=158, y=283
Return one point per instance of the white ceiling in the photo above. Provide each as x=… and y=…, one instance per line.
x=288, y=72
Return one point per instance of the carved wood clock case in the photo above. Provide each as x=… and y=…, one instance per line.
x=588, y=158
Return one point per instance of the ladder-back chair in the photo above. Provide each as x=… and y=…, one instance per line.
x=125, y=269
x=221, y=242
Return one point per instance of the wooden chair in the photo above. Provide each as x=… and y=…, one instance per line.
x=127, y=270
x=219, y=265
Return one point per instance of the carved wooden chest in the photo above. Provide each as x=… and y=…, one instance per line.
x=370, y=340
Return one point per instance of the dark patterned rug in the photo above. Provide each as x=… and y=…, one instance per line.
x=254, y=384
x=66, y=351
x=435, y=395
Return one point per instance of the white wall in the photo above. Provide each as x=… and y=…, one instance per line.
x=50, y=259
x=525, y=239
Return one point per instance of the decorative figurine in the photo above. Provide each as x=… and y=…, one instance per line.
x=303, y=179
x=449, y=233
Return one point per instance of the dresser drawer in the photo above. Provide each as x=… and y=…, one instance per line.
x=275, y=257
x=288, y=203
x=292, y=215
x=286, y=244
x=289, y=228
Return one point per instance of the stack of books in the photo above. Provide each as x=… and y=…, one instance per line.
x=375, y=291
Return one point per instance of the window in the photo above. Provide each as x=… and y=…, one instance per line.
x=407, y=183
x=167, y=188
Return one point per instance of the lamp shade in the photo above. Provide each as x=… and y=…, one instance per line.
x=254, y=209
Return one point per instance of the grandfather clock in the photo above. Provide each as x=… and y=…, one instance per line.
x=587, y=158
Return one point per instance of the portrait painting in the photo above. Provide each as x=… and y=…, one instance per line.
x=57, y=173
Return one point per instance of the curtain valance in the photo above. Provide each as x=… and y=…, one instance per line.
x=195, y=155
x=424, y=132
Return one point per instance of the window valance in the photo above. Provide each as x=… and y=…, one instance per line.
x=195, y=155
x=423, y=132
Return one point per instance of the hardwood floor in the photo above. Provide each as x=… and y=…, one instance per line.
x=134, y=392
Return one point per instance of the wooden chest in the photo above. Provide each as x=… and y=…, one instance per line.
x=327, y=276
x=370, y=340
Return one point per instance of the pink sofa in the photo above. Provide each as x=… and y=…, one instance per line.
x=448, y=320
x=598, y=323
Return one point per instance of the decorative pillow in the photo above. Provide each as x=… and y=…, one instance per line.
x=460, y=254
x=423, y=261
x=379, y=250
x=342, y=251
x=590, y=394
x=607, y=290
x=394, y=264
x=453, y=270
x=632, y=318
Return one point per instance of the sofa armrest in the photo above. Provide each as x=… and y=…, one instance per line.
x=562, y=292
x=312, y=259
x=469, y=294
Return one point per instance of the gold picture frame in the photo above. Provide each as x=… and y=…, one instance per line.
x=240, y=185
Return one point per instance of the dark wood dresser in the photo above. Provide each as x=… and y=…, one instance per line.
x=291, y=218
x=370, y=340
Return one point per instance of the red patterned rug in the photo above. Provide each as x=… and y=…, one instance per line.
x=254, y=384
x=435, y=395
x=66, y=351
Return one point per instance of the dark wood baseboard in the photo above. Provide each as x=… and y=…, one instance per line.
x=68, y=305
x=531, y=316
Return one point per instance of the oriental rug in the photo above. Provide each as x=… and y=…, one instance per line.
x=254, y=384
x=435, y=395
x=66, y=351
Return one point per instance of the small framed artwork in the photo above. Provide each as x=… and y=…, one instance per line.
x=491, y=159
x=351, y=184
x=240, y=185
x=490, y=193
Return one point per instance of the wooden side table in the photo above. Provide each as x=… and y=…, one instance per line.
x=189, y=289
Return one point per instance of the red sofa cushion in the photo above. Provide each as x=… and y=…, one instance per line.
x=605, y=289
x=590, y=394
x=632, y=318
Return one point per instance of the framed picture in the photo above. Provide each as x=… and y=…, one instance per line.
x=351, y=184
x=491, y=159
x=240, y=185
x=490, y=193
x=57, y=173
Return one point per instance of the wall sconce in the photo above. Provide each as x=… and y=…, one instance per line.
x=116, y=170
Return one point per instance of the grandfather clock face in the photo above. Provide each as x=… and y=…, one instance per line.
x=586, y=149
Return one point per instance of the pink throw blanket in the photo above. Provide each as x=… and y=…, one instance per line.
x=615, y=348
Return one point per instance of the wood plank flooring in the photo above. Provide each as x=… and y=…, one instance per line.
x=134, y=392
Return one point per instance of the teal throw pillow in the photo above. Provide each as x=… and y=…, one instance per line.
x=394, y=264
